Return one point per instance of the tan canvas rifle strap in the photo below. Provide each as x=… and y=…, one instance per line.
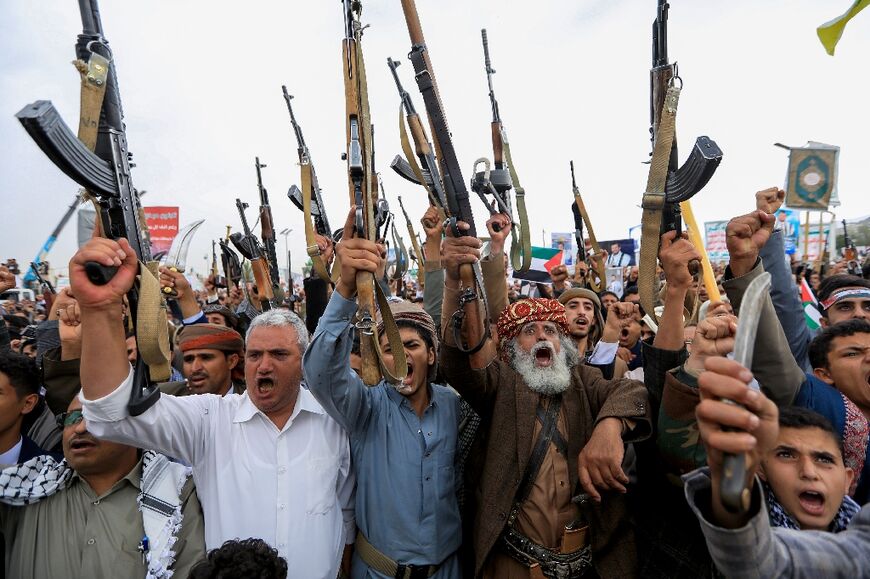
x=412, y=159
x=521, y=253
x=654, y=201
x=313, y=250
x=417, y=252
x=399, y=371
x=93, y=73
x=152, y=331
x=597, y=268
x=93, y=90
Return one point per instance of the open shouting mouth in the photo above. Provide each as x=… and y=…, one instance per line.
x=812, y=502
x=543, y=354
x=265, y=385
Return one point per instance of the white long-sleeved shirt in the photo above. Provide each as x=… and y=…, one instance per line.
x=292, y=488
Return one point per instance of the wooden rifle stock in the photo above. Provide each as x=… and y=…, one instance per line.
x=261, y=276
x=497, y=145
x=363, y=191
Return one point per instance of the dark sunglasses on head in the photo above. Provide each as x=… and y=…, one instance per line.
x=71, y=418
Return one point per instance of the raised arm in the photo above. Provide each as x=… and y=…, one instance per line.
x=174, y=426
x=104, y=350
x=783, y=291
x=433, y=289
x=325, y=365
x=493, y=265
x=773, y=365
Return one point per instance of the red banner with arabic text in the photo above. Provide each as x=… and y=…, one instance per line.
x=162, y=227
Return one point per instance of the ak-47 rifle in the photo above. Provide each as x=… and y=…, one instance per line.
x=230, y=262
x=418, y=253
x=249, y=246
x=267, y=234
x=363, y=189
x=45, y=287
x=421, y=166
x=668, y=183
x=595, y=263
x=458, y=204
x=103, y=168
x=219, y=280
x=850, y=253
x=499, y=180
x=399, y=248
x=309, y=199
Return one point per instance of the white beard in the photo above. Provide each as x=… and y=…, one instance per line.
x=553, y=379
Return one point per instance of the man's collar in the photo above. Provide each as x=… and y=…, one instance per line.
x=305, y=401
x=398, y=398
x=134, y=477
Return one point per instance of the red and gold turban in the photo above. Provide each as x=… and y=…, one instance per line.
x=210, y=337
x=521, y=312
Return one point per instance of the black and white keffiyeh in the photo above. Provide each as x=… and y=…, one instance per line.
x=159, y=499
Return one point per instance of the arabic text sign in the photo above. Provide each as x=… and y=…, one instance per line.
x=162, y=226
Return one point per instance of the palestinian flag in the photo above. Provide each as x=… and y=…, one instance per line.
x=543, y=260
x=811, y=306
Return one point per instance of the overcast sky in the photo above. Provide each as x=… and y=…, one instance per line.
x=201, y=88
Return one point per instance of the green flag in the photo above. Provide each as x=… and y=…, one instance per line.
x=830, y=32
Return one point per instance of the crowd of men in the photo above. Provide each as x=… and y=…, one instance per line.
x=584, y=437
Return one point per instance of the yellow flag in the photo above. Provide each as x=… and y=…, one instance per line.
x=830, y=32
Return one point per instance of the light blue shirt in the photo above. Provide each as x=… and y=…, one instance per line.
x=406, y=502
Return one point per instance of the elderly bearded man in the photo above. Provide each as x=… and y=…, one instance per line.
x=545, y=419
x=269, y=463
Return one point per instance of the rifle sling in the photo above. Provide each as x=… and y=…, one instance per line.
x=654, y=201
x=596, y=249
x=400, y=365
x=152, y=332
x=94, y=74
x=545, y=437
x=411, y=158
x=311, y=243
x=521, y=253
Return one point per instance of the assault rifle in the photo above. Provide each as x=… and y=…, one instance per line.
x=363, y=189
x=45, y=287
x=318, y=210
x=424, y=169
x=417, y=255
x=230, y=262
x=455, y=191
x=683, y=182
x=267, y=234
x=595, y=263
x=249, y=246
x=105, y=172
x=309, y=199
x=668, y=184
x=499, y=180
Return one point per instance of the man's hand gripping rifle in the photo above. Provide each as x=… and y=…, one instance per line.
x=363, y=189
x=101, y=164
x=458, y=206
